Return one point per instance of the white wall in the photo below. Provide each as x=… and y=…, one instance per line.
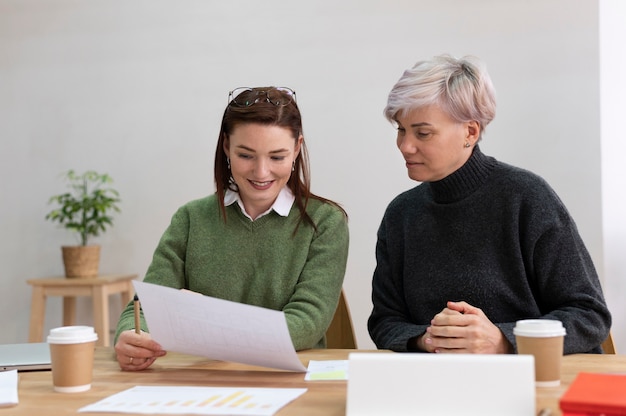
x=137, y=88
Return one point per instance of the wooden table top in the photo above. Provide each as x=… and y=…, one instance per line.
x=571, y=365
x=328, y=398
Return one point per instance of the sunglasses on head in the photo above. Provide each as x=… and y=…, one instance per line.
x=245, y=96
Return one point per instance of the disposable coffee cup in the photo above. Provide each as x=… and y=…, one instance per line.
x=71, y=352
x=542, y=338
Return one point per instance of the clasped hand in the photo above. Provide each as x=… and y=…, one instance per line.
x=463, y=328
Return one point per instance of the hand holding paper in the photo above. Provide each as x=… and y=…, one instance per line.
x=184, y=322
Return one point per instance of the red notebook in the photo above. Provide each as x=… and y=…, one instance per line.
x=592, y=394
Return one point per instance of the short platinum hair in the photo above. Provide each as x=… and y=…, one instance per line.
x=460, y=87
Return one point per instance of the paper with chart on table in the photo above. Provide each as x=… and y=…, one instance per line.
x=190, y=400
x=190, y=323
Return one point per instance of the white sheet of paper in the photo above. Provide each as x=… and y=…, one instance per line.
x=196, y=400
x=190, y=323
x=327, y=370
x=8, y=388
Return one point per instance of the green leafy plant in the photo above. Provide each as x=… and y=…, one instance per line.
x=87, y=208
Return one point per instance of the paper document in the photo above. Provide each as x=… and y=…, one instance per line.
x=327, y=370
x=8, y=388
x=190, y=323
x=189, y=400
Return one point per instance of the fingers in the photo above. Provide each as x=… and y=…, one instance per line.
x=136, y=351
x=454, y=313
x=457, y=325
x=450, y=339
x=458, y=328
x=135, y=364
x=464, y=308
x=456, y=306
x=426, y=343
x=448, y=317
x=463, y=328
x=439, y=344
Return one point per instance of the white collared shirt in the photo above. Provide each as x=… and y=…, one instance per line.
x=282, y=205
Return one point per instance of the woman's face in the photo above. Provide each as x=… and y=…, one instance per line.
x=261, y=159
x=433, y=144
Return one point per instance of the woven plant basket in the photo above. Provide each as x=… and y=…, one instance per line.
x=81, y=261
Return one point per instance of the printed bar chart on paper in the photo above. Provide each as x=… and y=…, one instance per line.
x=196, y=400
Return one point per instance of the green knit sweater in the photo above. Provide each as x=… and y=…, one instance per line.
x=258, y=262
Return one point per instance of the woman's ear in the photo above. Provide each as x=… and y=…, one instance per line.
x=473, y=132
x=226, y=146
x=298, y=147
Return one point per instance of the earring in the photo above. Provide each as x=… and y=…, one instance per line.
x=466, y=145
x=293, y=166
x=228, y=162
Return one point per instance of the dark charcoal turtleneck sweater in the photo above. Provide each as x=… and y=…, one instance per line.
x=495, y=236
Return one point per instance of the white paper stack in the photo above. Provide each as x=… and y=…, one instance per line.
x=8, y=388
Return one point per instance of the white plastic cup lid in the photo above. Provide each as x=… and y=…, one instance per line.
x=72, y=335
x=539, y=328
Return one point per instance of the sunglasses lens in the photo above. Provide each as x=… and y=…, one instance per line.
x=280, y=96
x=242, y=96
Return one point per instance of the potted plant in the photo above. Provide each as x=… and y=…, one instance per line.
x=86, y=209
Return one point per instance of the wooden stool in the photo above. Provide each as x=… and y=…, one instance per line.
x=99, y=288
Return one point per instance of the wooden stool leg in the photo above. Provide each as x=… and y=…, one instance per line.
x=127, y=294
x=101, y=314
x=37, y=314
x=69, y=310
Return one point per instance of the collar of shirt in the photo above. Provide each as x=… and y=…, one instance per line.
x=282, y=204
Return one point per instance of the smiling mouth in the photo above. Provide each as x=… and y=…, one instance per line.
x=258, y=184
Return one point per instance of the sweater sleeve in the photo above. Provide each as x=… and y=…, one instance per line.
x=167, y=267
x=313, y=303
x=390, y=325
x=566, y=285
